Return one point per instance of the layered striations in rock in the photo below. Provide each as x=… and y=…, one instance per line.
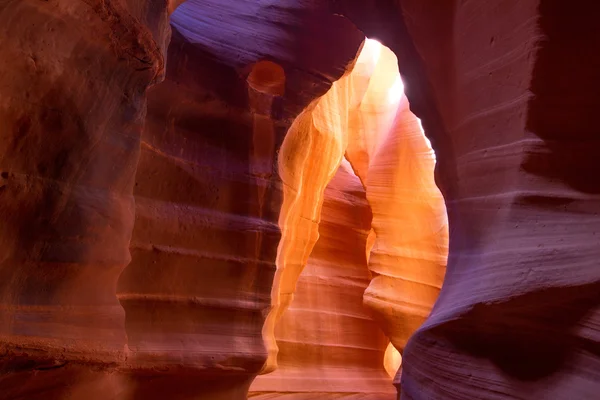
x=520, y=301
x=238, y=165
x=365, y=115
x=73, y=78
x=73, y=106
x=208, y=198
x=390, y=153
x=329, y=346
x=505, y=92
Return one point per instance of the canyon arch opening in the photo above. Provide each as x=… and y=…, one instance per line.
x=362, y=128
x=190, y=217
x=505, y=89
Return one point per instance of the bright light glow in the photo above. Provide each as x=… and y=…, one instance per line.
x=392, y=360
x=396, y=91
x=369, y=56
x=374, y=48
x=365, y=117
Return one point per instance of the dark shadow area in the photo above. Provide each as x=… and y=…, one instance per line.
x=563, y=112
x=528, y=337
x=181, y=386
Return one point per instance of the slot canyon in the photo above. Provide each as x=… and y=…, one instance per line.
x=240, y=199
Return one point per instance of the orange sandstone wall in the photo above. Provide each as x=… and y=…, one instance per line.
x=506, y=91
x=365, y=115
x=329, y=346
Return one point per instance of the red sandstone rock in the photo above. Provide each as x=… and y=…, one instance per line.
x=72, y=78
x=365, y=116
x=504, y=89
x=73, y=115
x=198, y=288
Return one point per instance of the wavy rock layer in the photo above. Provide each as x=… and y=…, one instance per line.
x=521, y=297
x=208, y=200
x=74, y=76
x=204, y=242
x=505, y=91
x=364, y=115
x=390, y=153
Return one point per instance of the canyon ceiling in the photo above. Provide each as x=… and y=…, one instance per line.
x=221, y=200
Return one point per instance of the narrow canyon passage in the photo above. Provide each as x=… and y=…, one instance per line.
x=217, y=199
x=328, y=343
x=365, y=118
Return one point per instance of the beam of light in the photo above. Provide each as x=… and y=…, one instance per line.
x=396, y=91
x=369, y=55
x=373, y=47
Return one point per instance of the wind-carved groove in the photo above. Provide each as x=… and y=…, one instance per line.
x=396, y=165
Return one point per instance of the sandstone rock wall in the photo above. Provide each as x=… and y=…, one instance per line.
x=365, y=115
x=328, y=343
x=73, y=78
x=73, y=106
x=505, y=91
x=209, y=194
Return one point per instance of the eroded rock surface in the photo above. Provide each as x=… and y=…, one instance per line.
x=505, y=93
x=227, y=213
x=365, y=116
x=209, y=195
x=73, y=108
x=329, y=346
x=73, y=78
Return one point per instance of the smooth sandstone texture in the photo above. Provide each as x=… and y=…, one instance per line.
x=520, y=301
x=74, y=113
x=506, y=92
x=365, y=116
x=395, y=162
x=73, y=77
x=329, y=346
x=208, y=194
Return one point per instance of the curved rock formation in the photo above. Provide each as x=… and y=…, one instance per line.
x=204, y=241
x=366, y=116
x=396, y=163
x=329, y=347
x=73, y=112
x=73, y=77
x=520, y=302
x=506, y=92
x=208, y=199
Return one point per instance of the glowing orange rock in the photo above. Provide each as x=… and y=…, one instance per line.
x=328, y=343
x=365, y=115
